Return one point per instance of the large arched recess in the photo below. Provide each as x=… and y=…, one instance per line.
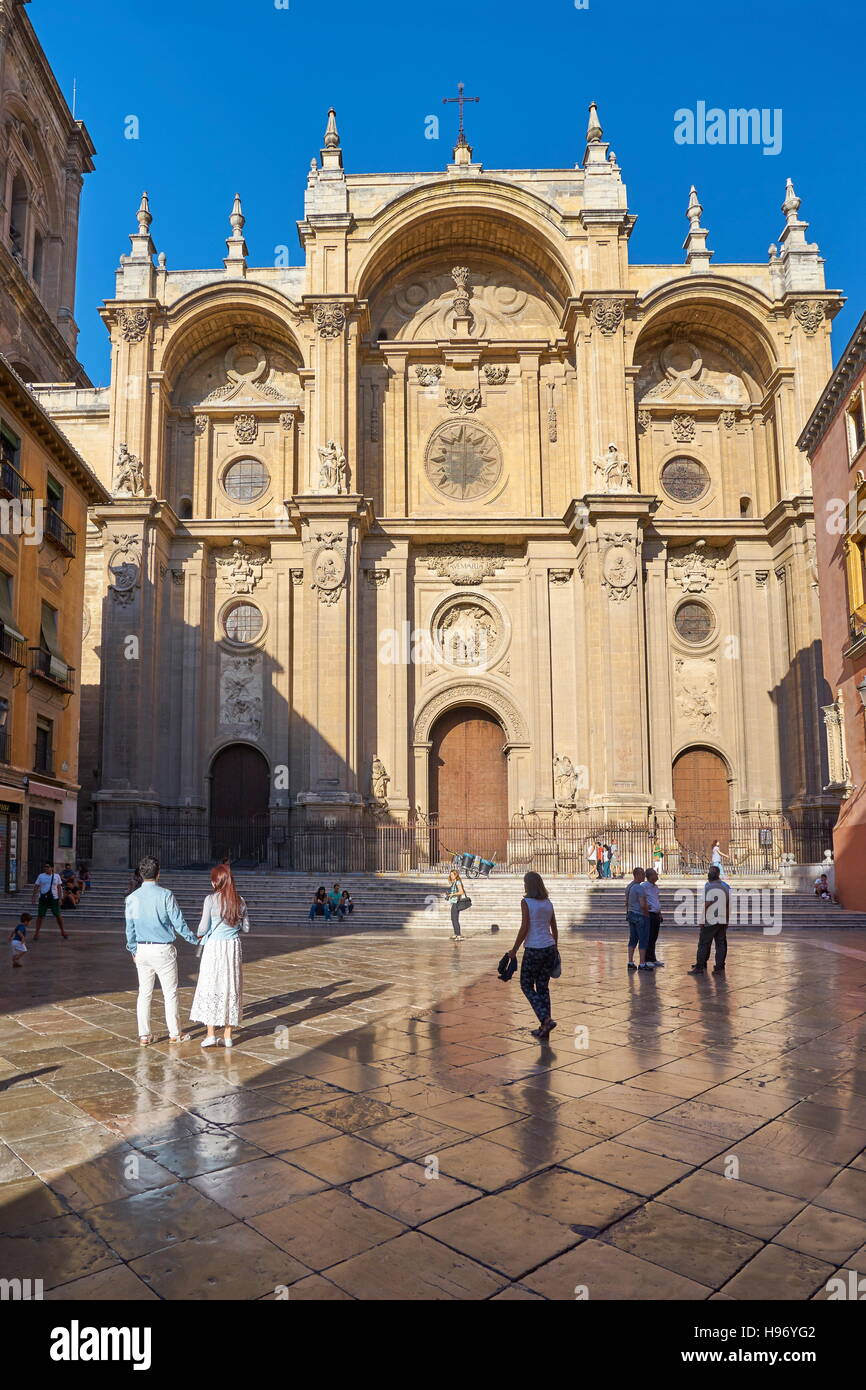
x=214, y=314
x=484, y=216
x=732, y=316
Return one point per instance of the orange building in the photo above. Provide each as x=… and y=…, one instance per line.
x=45, y=490
x=835, y=441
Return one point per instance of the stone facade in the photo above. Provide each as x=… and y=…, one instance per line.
x=466, y=455
x=44, y=154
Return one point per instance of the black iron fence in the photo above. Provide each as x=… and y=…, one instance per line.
x=278, y=840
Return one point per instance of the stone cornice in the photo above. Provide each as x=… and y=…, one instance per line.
x=851, y=365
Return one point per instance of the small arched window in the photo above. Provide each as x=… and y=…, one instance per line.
x=18, y=218
x=185, y=509
x=745, y=506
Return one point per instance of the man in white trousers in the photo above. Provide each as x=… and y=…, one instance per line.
x=153, y=919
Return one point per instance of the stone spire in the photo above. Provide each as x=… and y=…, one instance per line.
x=142, y=244
x=604, y=195
x=802, y=265
x=695, y=245
x=595, y=153
x=332, y=154
x=236, y=260
x=594, y=131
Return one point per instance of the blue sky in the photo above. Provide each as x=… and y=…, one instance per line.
x=233, y=94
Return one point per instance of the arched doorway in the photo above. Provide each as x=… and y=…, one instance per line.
x=240, y=793
x=703, y=803
x=469, y=781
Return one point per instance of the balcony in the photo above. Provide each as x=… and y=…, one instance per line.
x=11, y=648
x=5, y=746
x=12, y=485
x=58, y=532
x=47, y=667
x=43, y=760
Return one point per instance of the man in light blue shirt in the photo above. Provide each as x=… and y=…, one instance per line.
x=153, y=919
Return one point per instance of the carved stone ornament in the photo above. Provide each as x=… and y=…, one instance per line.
x=246, y=369
x=728, y=419
x=619, y=566
x=612, y=471
x=330, y=320
x=287, y=420
x=246, y=429
x=126, y=542
x=693, y=569
x=240, y=567
x=377, y=579
x=696, y=683
x=329, y=569
x=128, y=475
x=497, y=376
x=559, y=577
x=468, y=633
x=241, y=694
x=463, y=400
x=644, y=420
x=809, y=313
x=125, y=569
x=463, y=460
x=761, y=577
x=132, y=324
x=379, y=780
x=552, y=426
x=683, y=427
x=464, y=562
x=608, y=314
x=374, y=414
x=200, y=425
x=462, y=307
x=297, y=576
x=333, y=469
x=428, y=376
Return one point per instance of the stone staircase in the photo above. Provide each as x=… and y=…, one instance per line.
x=280, y=902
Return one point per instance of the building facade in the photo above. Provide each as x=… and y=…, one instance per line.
x=835, y=441
x=44, y=154
x=45, y=490
x=465, y=517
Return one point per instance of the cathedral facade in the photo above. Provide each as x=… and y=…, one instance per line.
x=466, y=516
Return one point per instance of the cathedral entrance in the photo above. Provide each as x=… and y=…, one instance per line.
x=240, y=793
x=703, y=804
x=469, y=782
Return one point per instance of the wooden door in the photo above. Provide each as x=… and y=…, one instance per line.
x=469, y=781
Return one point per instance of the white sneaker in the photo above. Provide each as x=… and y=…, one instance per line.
x=228, y=1042
x=208, y=1042
x=658, y=964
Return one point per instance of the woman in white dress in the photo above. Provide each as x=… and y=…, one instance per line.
x=218, y=1001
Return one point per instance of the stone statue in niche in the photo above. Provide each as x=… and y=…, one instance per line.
x=379, y=780
x=333, y=469
x=612, y=471
x=564, y=780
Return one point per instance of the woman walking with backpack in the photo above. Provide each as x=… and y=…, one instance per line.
x=218, y=1001
x=538, y=930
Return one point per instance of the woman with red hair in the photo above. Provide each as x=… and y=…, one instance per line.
x=218, y=1001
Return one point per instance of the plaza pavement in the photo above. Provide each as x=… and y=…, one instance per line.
x=386, y=1127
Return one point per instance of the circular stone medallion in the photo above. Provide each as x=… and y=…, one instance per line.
x=463, y=460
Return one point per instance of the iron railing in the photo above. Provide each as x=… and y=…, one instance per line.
x=41, y=665
x=57, y=531
x=12, y=485
x=12, y=648
x=280, y=840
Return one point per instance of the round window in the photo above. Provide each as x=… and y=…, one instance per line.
x=685, y=479
x=694, y=622
x=243, y=623
x=245, y=480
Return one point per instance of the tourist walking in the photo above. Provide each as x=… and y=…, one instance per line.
x=605, y=863
x=458, y=901
x=654, y=908
x=320, y=905
x=153, y=920
x=658, y=859
x=717, y=857
x=48, y=888
x=539, y=937
x=717, y=911
x=637, y=916
x=218, y=1001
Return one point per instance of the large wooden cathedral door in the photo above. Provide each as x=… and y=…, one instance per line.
x=703, y=802
x=469, y=781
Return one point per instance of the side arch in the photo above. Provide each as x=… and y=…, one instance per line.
x=486, y=697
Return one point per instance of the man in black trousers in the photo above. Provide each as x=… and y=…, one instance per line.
x=717, y=909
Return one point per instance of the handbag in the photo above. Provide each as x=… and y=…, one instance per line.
x=557, y=969
x=463, y=903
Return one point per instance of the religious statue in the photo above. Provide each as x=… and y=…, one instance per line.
x=333, y=469
x=379, y=780
x=612, y=471
x=565, y=780
x=129, y=475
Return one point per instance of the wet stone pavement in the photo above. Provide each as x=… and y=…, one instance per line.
x=386, y=1126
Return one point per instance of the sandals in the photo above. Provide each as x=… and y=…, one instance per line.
x=145, y=1040
x=181, y=1037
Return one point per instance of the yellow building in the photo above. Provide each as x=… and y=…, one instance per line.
x=45, y=490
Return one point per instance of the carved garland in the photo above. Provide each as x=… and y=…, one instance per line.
x=608, y=314
x=132, y=324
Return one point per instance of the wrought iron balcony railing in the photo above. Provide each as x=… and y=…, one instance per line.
x=50, y=668
x=57, y=531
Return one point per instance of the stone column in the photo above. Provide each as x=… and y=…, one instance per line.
x=659, y=695
x=332, y=528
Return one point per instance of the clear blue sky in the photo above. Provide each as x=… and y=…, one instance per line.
x=233, y=94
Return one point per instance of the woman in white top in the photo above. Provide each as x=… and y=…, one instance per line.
x=539, y=933
x=218, y=1001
